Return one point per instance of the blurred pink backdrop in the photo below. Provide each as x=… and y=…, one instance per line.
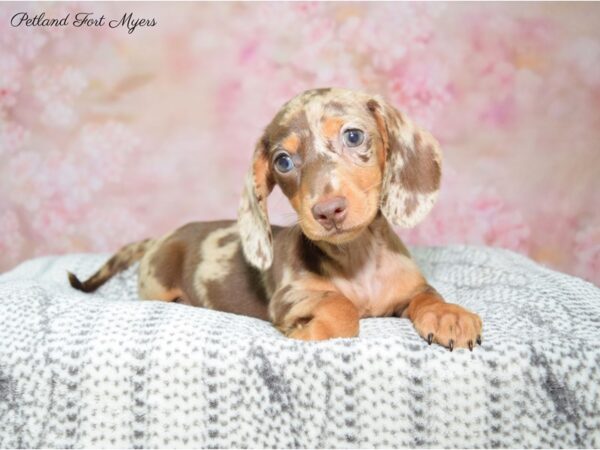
x=108, y=137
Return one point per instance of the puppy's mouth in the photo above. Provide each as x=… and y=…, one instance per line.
x=340, y=234
x=341, y=230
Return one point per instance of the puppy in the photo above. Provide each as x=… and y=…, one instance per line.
x=351, y=165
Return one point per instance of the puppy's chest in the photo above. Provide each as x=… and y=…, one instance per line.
x=379, y=282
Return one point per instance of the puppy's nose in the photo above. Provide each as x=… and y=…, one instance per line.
x=331, y=212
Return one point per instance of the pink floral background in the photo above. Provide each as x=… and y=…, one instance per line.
x=108, y=137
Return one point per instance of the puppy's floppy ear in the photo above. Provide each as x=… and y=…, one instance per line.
x=413, y=166
x=253, y=219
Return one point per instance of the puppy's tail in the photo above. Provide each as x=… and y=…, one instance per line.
x=117, y=263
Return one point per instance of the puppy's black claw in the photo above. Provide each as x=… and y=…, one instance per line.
x=470, y=345
x=479, y=340
x=451, y=344
x=430, y=338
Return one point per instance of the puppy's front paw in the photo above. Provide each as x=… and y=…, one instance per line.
x=448, y=325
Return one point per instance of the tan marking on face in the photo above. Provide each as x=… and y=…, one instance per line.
x=291, y=143
x=330, y=127
x=361, y=188
x=366, y=178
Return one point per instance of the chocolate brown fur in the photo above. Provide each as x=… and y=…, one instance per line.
x=313, y=280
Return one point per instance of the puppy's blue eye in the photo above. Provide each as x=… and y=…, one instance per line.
x=353, y=137
x=284, y=163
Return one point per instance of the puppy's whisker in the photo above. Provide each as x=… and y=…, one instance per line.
x=290, y=217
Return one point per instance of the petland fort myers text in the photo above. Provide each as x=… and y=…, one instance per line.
x=81, y=20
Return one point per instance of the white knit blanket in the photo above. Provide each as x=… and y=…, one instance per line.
x=107, y=370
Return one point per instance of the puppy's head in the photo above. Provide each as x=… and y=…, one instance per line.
x=339, y=156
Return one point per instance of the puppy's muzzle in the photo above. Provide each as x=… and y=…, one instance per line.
x=330, y=213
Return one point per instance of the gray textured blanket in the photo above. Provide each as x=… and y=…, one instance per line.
x=80, y=370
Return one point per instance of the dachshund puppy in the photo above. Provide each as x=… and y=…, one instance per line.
x=351, y=165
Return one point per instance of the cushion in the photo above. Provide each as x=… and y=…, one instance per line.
x=108, y=370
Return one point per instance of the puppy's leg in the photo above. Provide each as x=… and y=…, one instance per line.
x=447, y=324
x=320, y=315
x=161, y=271
x=149, y=288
